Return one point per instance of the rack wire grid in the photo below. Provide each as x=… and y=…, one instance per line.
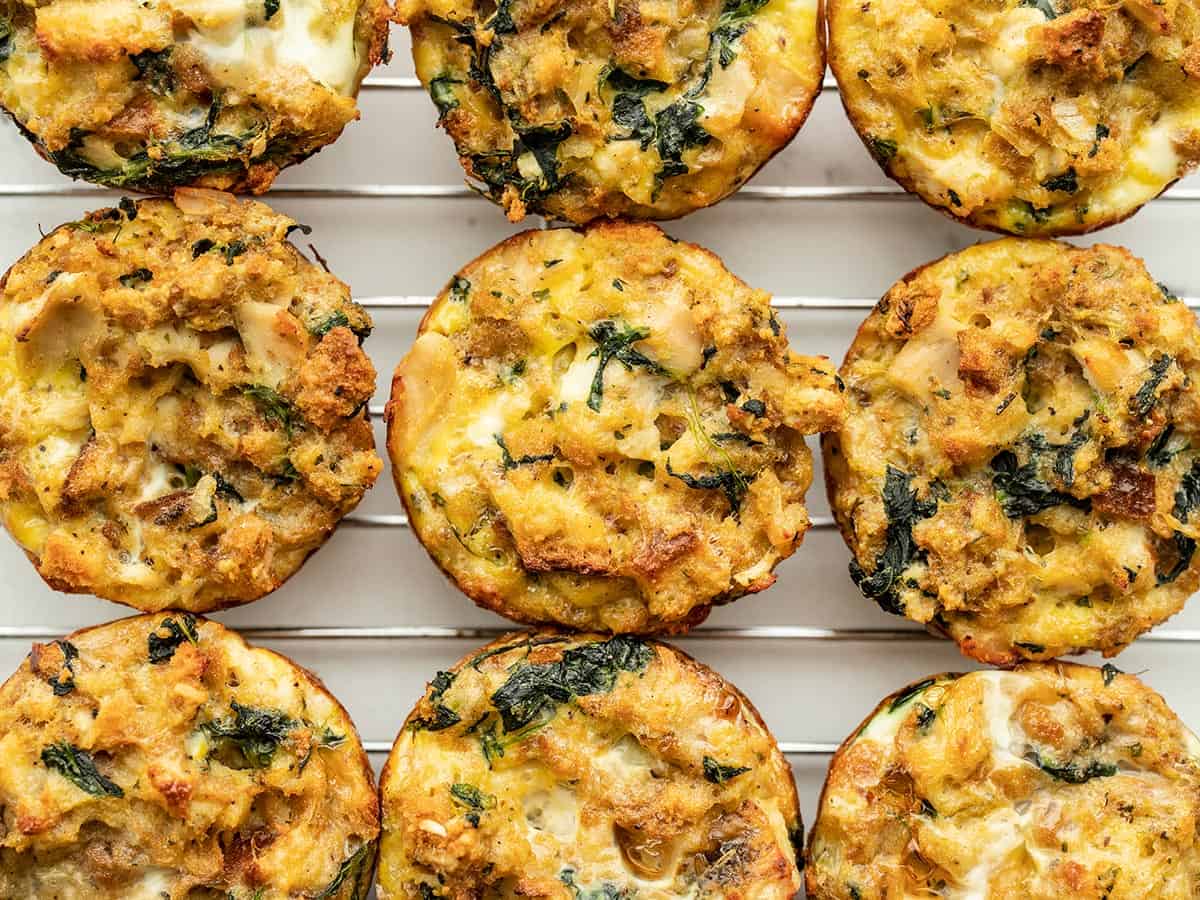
x=820, y=227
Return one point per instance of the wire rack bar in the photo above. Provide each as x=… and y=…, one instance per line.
x=789, y=748
x=822, y=193
x=799, y=633
x=412, y=83
x=399, y=520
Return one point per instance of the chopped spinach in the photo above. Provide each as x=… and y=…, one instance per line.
x=1031, y=647
x=719, y=774
x=614, y=341
x=1102, y=132
x=925, y=718
x=909, y=692
x=339, y=320
x=202, y=246
x=628, y=105
x=1072, y=773
x=270, y=8
x=64, y=682
x=731, y=482
x=1046, y=7
x=473, y=799
x=900, y=550
x=6, y=40
x=506, y=458
x=273, y=406
x=1161, y=452
x=537, y=689
x=78, y=767
x=154, y=67
x=441, y=89
x=254, y=733
x=1109, y=673
x=677, y=130
x=1067, y=182
x=460, y=289
x=297, y=226
x=136, y=277
x=1187, y=498
x=606, y=891
x=883, y=149
x=500, y=169
x=356, y=871
x=171, y=632
x=232, y=250
x=756, y=408
x=1185, y=549
x=1143, y=401
x=732, y=24
x=1021, y=491
x=443, y=716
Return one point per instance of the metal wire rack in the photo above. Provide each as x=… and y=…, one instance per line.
x=401, y=633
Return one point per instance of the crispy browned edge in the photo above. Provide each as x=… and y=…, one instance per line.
x=67, y=587
x=515, y=637
x=810, y=886
x=311, y=677
x=493, y=602
x=844, y=78
x=257, y=180
x=830, y=442
x=799, y=119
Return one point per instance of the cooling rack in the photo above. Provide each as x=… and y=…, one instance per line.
x=819, y=227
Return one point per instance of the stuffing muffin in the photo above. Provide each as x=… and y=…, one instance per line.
x=604, y=429
x=153, y=94
x=576, y=110
x=1035, y=117
x=581, y=766
x=163, y=757
x=1047, y=781
x=182, y=403
x=1018, y=468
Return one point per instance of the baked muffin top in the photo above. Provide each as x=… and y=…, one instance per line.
x=577, y=110
x=1017, y=468
x=1047, y=781
x=155, y=94
x=564, y=766
x=605, y=429
x=1035, y=117
x=182, y=403
x=161, y=756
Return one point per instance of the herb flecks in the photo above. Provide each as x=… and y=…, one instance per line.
x=273, y=405
x=443, y=716
x=471, y=798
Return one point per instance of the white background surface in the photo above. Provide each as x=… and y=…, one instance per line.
x=807, y=690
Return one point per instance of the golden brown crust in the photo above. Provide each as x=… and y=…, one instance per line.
x=1057, y=148
x=1046, y=781
x=648, y=773
x=163, y=756
x=579, y=111
x=181, y=400
x=604, y=429
x=1037, y=399
x=152, y=96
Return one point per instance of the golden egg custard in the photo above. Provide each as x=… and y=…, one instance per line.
x=581, y=766
x=576, y=110
x=163, y=758
x=1036, y=117
x=1018, y=467
x=153, y=94
x=605, y=429
x=1039, y=783
x=182, y=403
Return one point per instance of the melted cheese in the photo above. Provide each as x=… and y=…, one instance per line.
x=299, y=34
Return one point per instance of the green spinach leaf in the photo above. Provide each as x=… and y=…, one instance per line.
x=900, y=550
x=78, y=767
x=171, y=632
